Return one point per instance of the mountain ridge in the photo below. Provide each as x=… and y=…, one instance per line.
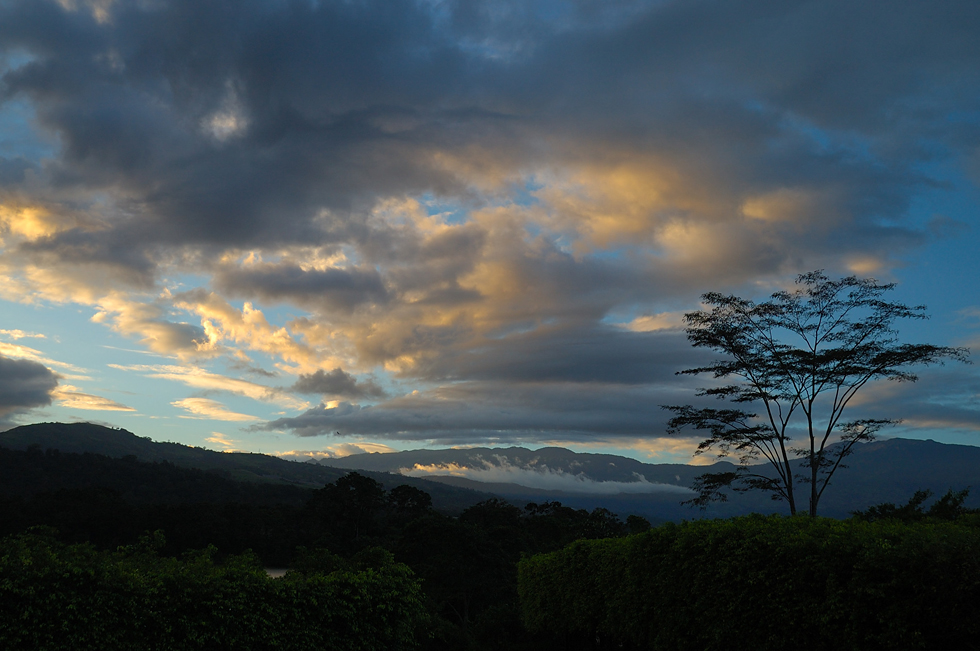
x=890, y=470
x=240, y=466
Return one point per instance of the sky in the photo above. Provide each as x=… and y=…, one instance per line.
x=323, y=227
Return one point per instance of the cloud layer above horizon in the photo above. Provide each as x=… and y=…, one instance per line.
x=460, y=222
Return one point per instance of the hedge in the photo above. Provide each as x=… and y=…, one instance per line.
x=764, y=583
x=55, y=596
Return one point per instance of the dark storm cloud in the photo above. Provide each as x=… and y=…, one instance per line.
x=784, y=136
x=506, y=411
x=943, y=397
x=325, y=89
x=417, y=263
x=500, y=412
x=12, y=170
x=329, y=288
x=591, y=354
x=343, y=102
x=336, y=383
x=113, y=249
x=24, y=385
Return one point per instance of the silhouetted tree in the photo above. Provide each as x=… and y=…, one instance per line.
x=409, y=502
x=637, y=524
x=348, y=512
x=801, y=357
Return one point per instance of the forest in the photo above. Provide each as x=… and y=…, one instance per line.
x=109, y=553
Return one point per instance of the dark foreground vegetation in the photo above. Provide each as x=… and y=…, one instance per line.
x=101, y=507
x=767, y=583
x=57, y=596
x=133, y=554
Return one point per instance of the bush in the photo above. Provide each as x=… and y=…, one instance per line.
x=764, y=583
x=55, y=596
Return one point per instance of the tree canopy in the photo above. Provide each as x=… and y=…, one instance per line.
x=799, y=358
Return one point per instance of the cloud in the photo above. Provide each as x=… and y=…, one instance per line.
x=504, y=210
x=675, y=108
x=943, y=398
x=593, y=353
x=205, y=408
x=332, y=288
x=31, y=369
x=336, y=383
x=544, y=478
x=666, y=449
x=218, y=438
x=202, y=379
x=25, y=352
x=72, y=398
x=225, y=325
x=20, y=334
x=24, y=385
x=146, y=320
x=496, y=412
x=653, y=322
x=335, y=451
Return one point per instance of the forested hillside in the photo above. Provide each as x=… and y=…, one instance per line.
x=467, y=563
x=241, y=466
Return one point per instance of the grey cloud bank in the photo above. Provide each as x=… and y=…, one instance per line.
x=337, y=383
x=24, y=385
x=548, y=479
x=443, y=214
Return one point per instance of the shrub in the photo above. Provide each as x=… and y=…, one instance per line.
x=55, y=596
x=764, y=583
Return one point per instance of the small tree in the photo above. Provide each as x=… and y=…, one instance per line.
x=801, y=357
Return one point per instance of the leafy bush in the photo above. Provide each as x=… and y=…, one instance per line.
x=56, y=596
x=764, y=583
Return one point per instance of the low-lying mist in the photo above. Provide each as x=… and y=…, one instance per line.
x=542, y=477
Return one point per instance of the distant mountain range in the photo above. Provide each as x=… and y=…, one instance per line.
x=882, y=471
x=240, y=466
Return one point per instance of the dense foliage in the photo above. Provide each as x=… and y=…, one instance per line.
x=765, y=583
x=893, y=576
x=111, y=502
x=56, y=596
x=467, y=564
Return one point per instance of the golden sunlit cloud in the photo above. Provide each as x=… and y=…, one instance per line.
x=30, y=222
x=223, y=440
x=200, y=379
x=20, y=334
x=71, y=398
x=17, y=351
x=441, y=469
x=621, y=197
x=145, y=320
x=204, y=408
x=248, y=327
x=542, y=478
x=783, y=205
x=866, y=265
x=654, y=322
x=337, y=451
